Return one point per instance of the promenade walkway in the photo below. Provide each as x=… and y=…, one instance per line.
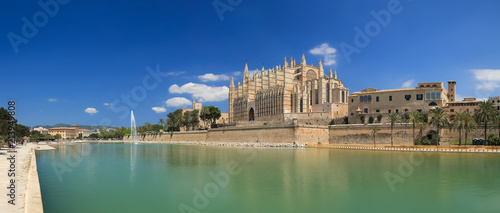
x=27, y=195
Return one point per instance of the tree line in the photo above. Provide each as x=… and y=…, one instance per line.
x=20, y=130
x=463, y=122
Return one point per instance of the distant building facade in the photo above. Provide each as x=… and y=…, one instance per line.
x=42, y=130
x=495, y=101
x=466, y=105
x=424, y=97
x=84, y=132
x=65, y=132
x=299, y=91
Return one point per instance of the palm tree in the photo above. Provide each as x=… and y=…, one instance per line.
x=458, y=125
x=486, y=113
x=393, y=118
x=375, y=130
x=414, y=118
x=161, y=122
x=438, y=119
x=468, y=122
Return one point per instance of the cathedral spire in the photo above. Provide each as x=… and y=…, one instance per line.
x=286, y=63
x=330, y=74
x=335, y=75
x=231, y=85
x=246, y=73
x=320, y=67
x=303, y=61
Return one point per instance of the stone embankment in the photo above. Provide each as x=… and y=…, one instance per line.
x=233, y=144
x=465, y=149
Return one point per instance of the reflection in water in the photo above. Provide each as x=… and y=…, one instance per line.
x=133, y=159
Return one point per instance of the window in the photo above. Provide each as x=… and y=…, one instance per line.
x=433, y=96
x=452, y=110
x=352, y=100
x=438, y=96
x=377, y=110
x=419, y=110
x=352, y=114
x=365, y=110
x=377, y=98
x=406, y=110
x=390, y=98
x=365, y=98
x=360, y=98
x=428, y=96
x=498, y=107
x=420, y=97
x=407, y=97
x=369, y=98
x=389, y=111
x=397, y=110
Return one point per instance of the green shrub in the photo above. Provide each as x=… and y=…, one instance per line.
x=379, y=117
x=371, y=119
x=346, y=120
x=362, y=118
x=332, y=122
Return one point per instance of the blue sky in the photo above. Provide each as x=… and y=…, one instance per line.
x=84, y=59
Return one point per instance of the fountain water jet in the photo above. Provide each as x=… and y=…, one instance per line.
x=133, y=129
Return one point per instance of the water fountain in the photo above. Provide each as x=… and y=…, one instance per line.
x=133, y=129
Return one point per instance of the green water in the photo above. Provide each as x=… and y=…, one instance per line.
x=164, y=178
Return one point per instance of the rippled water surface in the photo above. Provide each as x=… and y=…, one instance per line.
x=186, y=178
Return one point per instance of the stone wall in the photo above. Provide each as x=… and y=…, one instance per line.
x=275, y=134
x=362, y=134
x=312, y=134
x=403, y=134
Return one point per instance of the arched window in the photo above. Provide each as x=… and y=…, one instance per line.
x=360, y=98
x=438, y=95
x=428, y=96
x=328, y=93
x=369, y=98
x=433, y=96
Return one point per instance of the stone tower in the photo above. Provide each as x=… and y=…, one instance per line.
x=452, y=86
x=231, y=100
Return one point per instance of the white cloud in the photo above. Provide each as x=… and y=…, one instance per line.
x=208, y=93
x=178, y=102
x=159, y=109
x=236, y=73
x=175, y=73
x=109, y=105
x=326, y=51
x=52, y=100
x=408, y=84
x=481, y=99
x=212, y=77
x=487, y=74
x=91, y=111
x=488, y=81
x=488, y=85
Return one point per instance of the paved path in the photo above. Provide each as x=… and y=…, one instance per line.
x=24, y=159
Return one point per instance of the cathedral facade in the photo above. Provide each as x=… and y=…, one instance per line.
x=292, y=91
